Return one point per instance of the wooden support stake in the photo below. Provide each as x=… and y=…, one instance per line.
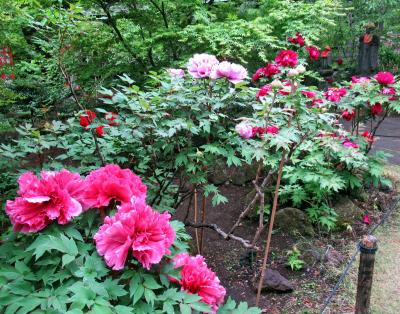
x=368, y=247
x=203, y=221
x=196, y=214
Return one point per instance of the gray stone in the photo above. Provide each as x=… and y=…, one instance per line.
x=219, y=173
x=273, y=281
x=347, y=212
x=294, y=221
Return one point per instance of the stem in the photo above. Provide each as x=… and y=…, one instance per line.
x=203, y=220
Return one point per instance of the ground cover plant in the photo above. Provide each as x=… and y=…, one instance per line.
x=113, y=135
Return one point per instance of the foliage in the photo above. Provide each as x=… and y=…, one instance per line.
x=294, y=261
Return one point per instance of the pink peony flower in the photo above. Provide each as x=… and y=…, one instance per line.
x=235, y=73
x=384, y=78
x=347, y=115
x=376, y=109
x=287, y=58
x=197, y=278
x=388, y=91
x=313, y=52
x=176, y=72
x=112, y=182
x=349, y=144
x=137, y=227
x=309, y=94
x=55, y=196
x=201, y=65
x=244, y=130
x=357, y=80
x=335, y=94
x=366, y=219
x=264, y=90
x=317, y=101
x=268, y=71
x=297, y=40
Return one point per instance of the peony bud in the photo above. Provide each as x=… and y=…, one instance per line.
x=276, y=84
x=301, y=69
x=293, y=72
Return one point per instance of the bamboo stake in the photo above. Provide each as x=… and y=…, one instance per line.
x=195, y=221
x=203, y=220
x=271, y=225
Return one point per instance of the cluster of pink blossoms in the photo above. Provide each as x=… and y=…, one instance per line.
x=247, y=131
x=346, y=142
x=207, y=66
x=197, y=278
x=335, y=94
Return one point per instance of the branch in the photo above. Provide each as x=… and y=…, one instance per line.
x=223, y=234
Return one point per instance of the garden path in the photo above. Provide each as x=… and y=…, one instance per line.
x=389, y=139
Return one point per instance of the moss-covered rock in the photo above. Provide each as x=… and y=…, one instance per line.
x=294, y=221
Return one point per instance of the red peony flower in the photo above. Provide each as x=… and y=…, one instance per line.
x=385, y=78
x=334, y=94
x=297, y=40
x=317, y=101
x=287, y=58
x=136, y=227
x=313, y=52
x=87, y=118
x=264, y=90
x=368, y=136
x=309, y=94
x=113, y=183
x=376, y=109
x=54, y=196
x=325, y=53
x=271, y=69
x=339, y=61
x=197, y=278
x=259, y=73
x=111, y=117
x=272, y=129
x=100, y=130
x=347, y=115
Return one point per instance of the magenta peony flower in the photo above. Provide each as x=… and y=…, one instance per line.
x=201, y=65
x=244, y=130
x=176, y=72
x=112, y=182
x=197, y=278
x=264, y=90
x=313, y=52
x=309, y=94
x=349, y=144
x=334, y=94
x=235, y=73
x=384, y=78
x=137, y=227
x=55, y=196
x=287, y=58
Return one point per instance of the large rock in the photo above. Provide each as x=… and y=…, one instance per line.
x=219, y=173
x=273, y=281
x=244, y=173
x=294, y=221
x=347, y=212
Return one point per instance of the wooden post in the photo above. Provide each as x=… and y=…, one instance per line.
x=368, y=247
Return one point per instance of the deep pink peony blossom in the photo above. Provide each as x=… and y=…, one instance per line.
x=376, y=109
x=263, y=91
x=87, y=118
x=55, y=196
x=297, y=40
x=136, y=227
x=388, y=91
x=235, y=73
x=334, y=94
x=262, y=130
x=112, y=182
x=176, y=72
x=366, y=219
x=201, y=65
x=309, y=94
x=313, y=52
x=349, y=144
x=347, y=115
x=197, y=278
x=244, y=130
x=287, y=58
x=271, y=69
x=384, y=78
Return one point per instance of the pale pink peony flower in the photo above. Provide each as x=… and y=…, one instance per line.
x=112, y=182
x=55, y=196
x=244, y=130
x=176, y=72
x=235, y=73
x=197, y=278
x=201, y=65
x=361, y=79
x=136, y=227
